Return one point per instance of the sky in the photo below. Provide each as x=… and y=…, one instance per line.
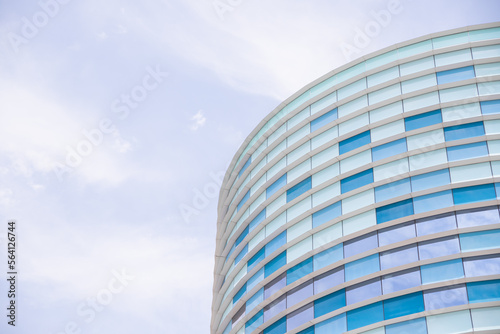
x=118, y=119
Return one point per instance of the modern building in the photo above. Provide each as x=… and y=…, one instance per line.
x=368, y=202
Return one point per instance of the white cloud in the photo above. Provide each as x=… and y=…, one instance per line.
x=198, y=120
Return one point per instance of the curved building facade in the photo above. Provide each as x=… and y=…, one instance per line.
x=368, y=202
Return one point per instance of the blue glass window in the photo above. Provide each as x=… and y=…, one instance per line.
x=243, y=252
x=329, y=303
x=442, y=271
x=456, y=74
x=422, y=120
x=479, y=193
x=333, y=325
x=324, y=215
x=276, y=243
x=463, y=131
x=430, y=180
x=255, y=279
x=273, y=188
x=478, y=217
x=403, y=305
x=275, y=285
x=480, y=292
x=323, y=120
x=490, y=107
x=398, y=257
x=396, y=233
x=360, y=244
x=438, y=247
x=362, y=267
x=254, y=322
x=245, y=166
x=394, y=211
x=279, y=327
x=467, y=151
x=328, y=280
x=482, y=265
x=436, y=224
x=243, y=200
x=276, y=263
x=255, y=300
x=480, y=240
x=329, y=256
x=309, y=330
x=257, y=220
x=400, y=281
x=275, y=307
x=354, y=142
x=298, y=189
x=299, y=293
x=393, y=189
x=433, y=201
x=445, y=297
x=261, y=255
x=356, y=181
x=390, y=149
x=242, y=236
x=300, y=270
x=365, y=316
x=240, y=293
x=363, y=291
x=299, y=317
x=417, y=326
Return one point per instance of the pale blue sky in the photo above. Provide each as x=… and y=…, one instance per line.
x=120, y=206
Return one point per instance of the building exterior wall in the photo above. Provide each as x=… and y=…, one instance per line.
x=368, y=202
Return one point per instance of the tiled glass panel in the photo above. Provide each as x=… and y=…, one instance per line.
x=456, y=74
x=403, y=305
x=245, y=166
x=366, y=290
x=458, y=93
x=478, y=217
x=254, y=322
x=488, y=88
x=299, y=317
x=336, y=324
x=435, y=201
x=354, y=142
x=365, y=316
x=255, y=279
x=384, y=94
x=426, y=139
x=325, y=174
x=299, y=152
x=394, y=211
x=492, y=127
x=453, y=57
x=401, y=280
x=494, y=147
x=276, y=243
x=416, y=326
x=461, y=111
x=353, y=162
x=488, y=51
x=359, y=222
x=362, y=267
x=484, y=34
x=239, y=315
x=360, y=244
x=393, y=189
x=328, y=280
x=442, y=271
x=391, y=169
x=353, y=124
x=298, y=135
x=329, y=303
x=423, y=120
x=275, y=285
x=326, y=194
x=421, y=101
x=323, y=138
x=428, y=159
x=298, y=189
x=327, y=257
x=470, y=172
x=255, y=300
x=276, y=263
x=467, y=151
x=299, y=229
x=475, y=241
x=300, y=270
x=356, y=181
x=261, y=255
x=414, y=49
x=430, y=180
x=483, y=70
x=481, y=292
x=387, y=111
x=276, y=306
x=388, y=150
x=490, y=107
x=383, y=76
x=438, y=247
x=279, y=327
x=351, y=89
x=352, y=106
x=324, y=102
x=357, y=201
x=479, y=193
x=445, y=297
x=482, y=265
x=323, y=120
x=325, y=155
x=422, y=82
x=299, y=293
x=486, y=318
x=299, y=249
x=384, y=58
x=243, y=200
x=463, y=131
x=418, y=65
x=241, y=292
x=396, y=233
x=299, y=170
x=277, y=167
x=449, y=323
x=277, y=185
x=276, y=223
x=327, y=235
x=450, y=40
x=387, y=130
x=436, y=224
x=398, y=257
x=243, y=252
x=324, y=215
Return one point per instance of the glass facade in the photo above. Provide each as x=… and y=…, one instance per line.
x=368, y=199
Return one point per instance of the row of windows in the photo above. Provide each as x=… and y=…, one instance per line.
x=381, y=238
x=380, y=152
x=392, y=308
x=400, y=53
x=365, y=138
x=386, y=192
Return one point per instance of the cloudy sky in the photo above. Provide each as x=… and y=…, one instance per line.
x=117, y=121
